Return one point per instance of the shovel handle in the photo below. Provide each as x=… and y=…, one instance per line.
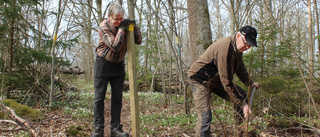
x=252, y=95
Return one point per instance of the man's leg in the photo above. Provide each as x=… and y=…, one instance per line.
x=100, y=86
x=201, y=96
x=116, y=105
x=116, y=99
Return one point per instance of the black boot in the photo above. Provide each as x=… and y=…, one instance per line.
x=118, y=132
x=98, y=132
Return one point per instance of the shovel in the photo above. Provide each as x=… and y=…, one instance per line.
x=252, y=95
x=250, y=101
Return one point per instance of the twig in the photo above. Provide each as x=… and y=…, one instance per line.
x=10, y=129
x=17, y=119
x=310, y=127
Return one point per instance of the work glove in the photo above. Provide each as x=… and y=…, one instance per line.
x=132, y=21
x=125, y=23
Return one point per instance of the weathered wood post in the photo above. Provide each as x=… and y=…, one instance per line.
x=133, y=81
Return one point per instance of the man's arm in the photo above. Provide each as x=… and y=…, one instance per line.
x=137, y=35
x=106, y=35
x=243, y=75
x=225, y=68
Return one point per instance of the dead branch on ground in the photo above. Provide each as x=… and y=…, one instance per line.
x=19, y=121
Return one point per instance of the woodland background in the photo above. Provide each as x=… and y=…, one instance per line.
x=47, y=54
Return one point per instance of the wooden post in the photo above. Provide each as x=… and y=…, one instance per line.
x=133, y=81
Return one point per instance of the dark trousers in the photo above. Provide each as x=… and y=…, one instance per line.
x=106, y=72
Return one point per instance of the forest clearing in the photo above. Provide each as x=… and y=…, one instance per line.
x=48, y=51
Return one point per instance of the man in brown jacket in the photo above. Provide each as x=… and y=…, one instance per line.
x=213, y=72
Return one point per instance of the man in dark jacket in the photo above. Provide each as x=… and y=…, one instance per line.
x=109, y=67
x=213, y=72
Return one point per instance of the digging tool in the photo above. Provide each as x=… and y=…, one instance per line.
x=250, y=101
x=252, y=95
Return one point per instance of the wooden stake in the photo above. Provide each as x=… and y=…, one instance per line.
x=133, y=81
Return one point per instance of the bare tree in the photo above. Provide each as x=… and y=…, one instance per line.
x=199, y=27
x=318, y=27
x=99, y=11
x=310, y=37
x=234, y=11
x=87, y=54
x=53, y=52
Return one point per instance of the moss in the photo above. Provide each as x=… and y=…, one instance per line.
x=75, y=131
x=2, y=115
x=22, y=110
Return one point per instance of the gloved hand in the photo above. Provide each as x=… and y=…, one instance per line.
x=132, y=21
x=125, y=23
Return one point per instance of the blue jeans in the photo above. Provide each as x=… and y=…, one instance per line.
x=105, y=72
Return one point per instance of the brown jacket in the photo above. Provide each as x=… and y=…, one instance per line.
x=218, y=64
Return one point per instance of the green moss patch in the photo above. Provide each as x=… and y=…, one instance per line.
x=21, y=110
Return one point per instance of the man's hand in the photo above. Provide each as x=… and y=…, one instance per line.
x=132, y=21
x=125, y=23
x=247, y=111
x=256, y=84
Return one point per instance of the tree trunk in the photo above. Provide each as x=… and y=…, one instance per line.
x=53, y=54
x=310, y=37
x=220, y=25
x=235, y=19
x=318, y=27
x=87, y=54
x=171, y=36
x=99, y=10
x=199, y=27
x=11, y=42
x=262, y=46
x=148, y=17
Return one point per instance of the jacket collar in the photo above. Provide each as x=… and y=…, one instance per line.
x=234, y=44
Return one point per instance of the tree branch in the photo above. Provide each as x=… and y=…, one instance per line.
x=19, y=121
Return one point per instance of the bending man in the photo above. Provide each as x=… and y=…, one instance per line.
x=213, y=73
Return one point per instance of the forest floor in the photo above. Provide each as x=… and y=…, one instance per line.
x=156, y=120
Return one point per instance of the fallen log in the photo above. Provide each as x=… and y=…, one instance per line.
x=20, y=121
x=70, y=70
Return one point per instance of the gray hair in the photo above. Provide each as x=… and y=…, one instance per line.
x=115, y=9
